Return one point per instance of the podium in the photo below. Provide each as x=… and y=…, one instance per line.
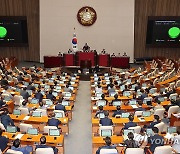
x=53, y=61
x=120, y=62
x=85, y=56
x=103, y=60
x=69, y=59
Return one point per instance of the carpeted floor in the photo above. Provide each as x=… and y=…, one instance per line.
x=79, y=140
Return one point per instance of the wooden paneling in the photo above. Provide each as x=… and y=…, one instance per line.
x=145, y=8
x=29, y=8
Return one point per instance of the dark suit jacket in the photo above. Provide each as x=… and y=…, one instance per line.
x=2, y=103
x=30, y=87
x=152, y=124
x=24, y=94
x=54, y=122
x=45, y=146
x=119, y=112
x=60, y=107
x=6, y=120
x=106, y=122
x=4, y=142
x=130, y=124
x=4, y=82
x=50, y=96
x=155, y=141
x=39, y=96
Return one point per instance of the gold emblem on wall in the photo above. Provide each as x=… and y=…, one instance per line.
x=86, y=16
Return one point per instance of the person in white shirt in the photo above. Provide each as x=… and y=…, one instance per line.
x=176, y=144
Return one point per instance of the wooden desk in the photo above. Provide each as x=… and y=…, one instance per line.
x=98, y=141
x=174, y=121
x=34, y=140
x=40, y=122
x=118, y=123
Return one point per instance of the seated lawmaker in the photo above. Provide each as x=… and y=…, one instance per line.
x=107, y=146
x=131, y=142
x=118, y=111
x=24, y=93
x=39, y=95
x=25, y=149
x=86, y=48
x=59, y=106
x=106, y=121
x=50, y=96
x=6, y=119
x=140, y=108
x=53, y=121
x=43, y=145
x=156, y=121
x=155, y=140
x=130, y=123
x=67, y=89
x=99, y=111
x=3, y=140
x=2, y=102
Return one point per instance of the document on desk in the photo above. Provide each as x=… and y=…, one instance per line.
x=26, y=117
x=19, y=136
x=134, y=106
x=95, y=107
x=141, y=119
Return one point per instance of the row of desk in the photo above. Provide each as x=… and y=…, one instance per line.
x=75, y=60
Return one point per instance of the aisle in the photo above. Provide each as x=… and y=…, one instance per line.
x=79, y=140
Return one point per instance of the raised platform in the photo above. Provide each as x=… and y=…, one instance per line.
x=83, y=75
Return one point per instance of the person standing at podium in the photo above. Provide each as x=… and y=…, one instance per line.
x=86, y=48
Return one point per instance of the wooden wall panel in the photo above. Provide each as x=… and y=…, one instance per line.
x=29, y=8
x=145, y=8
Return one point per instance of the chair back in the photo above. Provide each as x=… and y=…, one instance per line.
x=163, y=150
x=44, y=150
x=24, y=127
x=47, y=128
x=10, y=151
x=134, y=150
x=138, y=113
x=160, y=126
x=108, y=151
x=160, y=113
x=173, y=109
x=24, y=110
x=136, y=129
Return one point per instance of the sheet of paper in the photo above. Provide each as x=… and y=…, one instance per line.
x=19, y=136
x=134, y=106
x=26, y=117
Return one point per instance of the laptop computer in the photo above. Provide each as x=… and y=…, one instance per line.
x=171, y=130
x=32, y=131
x=146, y=114
x=11, y=129
x=117, y=103
x=54, y=132
x=106, y=132
x=125, y=115
x=58, y=115
x=37, y=114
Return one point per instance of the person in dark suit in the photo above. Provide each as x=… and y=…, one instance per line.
x=107, y=146
x=99, y=111
x=86, y=48
x=6, y=119
x=59, y=106
x=106, y=121
x=138, y=86
x=30, y=87
x=156, y=121
x=130, y=142
x=3, y=140
x=24, y=150
x=43, y=145
x=39, y=95
x=20, y=77
x=24, y=93
x=2, y=103
x=155, y=140
x=140, y=108
x=143, y=95
x=4, y=81
x=50, y=96
x=151, y=85
x=118, y=111
x=53, y=121
x=130, y=123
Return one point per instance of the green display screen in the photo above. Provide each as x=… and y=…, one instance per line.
x=3, y=32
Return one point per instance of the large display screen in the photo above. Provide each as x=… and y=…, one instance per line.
x=163, y=32
x=13, y=31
